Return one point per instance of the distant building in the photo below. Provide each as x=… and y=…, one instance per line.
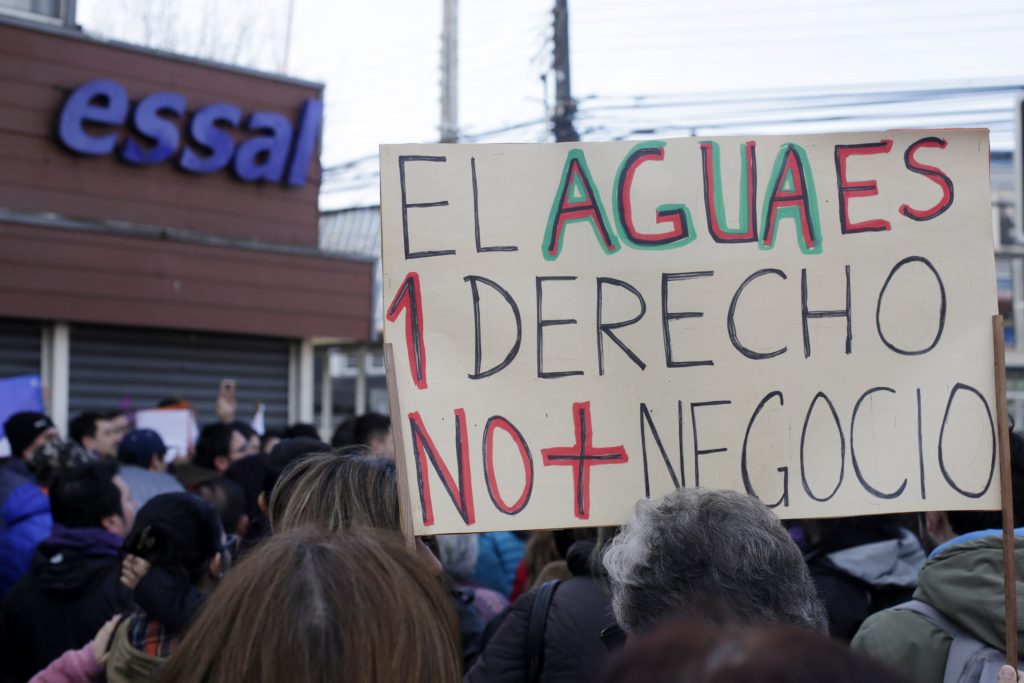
x=159, y=226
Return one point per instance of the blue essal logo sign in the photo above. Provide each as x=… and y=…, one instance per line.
x=274, y=151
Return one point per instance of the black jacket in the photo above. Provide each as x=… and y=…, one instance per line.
x=71, y=590
x=580, y=609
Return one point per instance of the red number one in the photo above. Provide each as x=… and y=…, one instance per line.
x=408, y=299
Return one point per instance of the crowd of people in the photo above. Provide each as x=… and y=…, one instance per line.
x=279, y=557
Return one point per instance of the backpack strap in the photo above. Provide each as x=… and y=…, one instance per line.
x=964, y=648
x=535, y=631
x=933, y=616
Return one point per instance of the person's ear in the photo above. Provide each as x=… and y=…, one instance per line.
x=261, y=502
x=89, y=443
x=221, y=463
x=114, y=524
x=217, y=567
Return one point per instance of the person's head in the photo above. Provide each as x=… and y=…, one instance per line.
x=220, y=445
x=179, y=532
x=301, y=429
x=143, y=448
x=252, y=437
x=228, y=499
x=336, y=492
x=458, y=555
x=47, y=461
x=705, y=551
x=703, y=652
x=284, y=454
x=27, y=431
x=374, y=431
x=270, y=438
x=356, y=607
x=832, y=534
x=122, y=422
x=939, y=527
x=344, y=434
x=97, y=432
x=92, y=495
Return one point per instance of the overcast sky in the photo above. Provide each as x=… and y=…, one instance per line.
x=380, y=60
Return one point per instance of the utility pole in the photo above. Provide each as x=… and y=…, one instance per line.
x=450, y=72
x=565, y=106
x=286, y=57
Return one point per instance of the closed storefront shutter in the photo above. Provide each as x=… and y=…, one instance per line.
x=20, y=343
x=134, y=369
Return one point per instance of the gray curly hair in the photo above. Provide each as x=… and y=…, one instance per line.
x=712, y=553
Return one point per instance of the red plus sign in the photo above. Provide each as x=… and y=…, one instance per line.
x=581, y=456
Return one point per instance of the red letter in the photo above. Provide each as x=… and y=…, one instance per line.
x=933, y=174
x=498, y=422
x=792, y=196
x=408, y=297
x=581, y=456
x=424, y=449
x=858, y=188
x=714, y=204
x=577, y=200
x=675, y=215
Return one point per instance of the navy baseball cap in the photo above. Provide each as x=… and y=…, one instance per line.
x=139, y=446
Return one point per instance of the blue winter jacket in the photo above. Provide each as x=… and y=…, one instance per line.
x=24, y=521
x=500, y=553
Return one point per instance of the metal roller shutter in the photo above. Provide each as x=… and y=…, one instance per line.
x=133, y=369
x=20, y=347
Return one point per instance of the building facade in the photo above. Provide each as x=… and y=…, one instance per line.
x=159, y=229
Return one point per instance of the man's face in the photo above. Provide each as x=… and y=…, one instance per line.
x=48, y=434
x=121, y=525
x=107, y=439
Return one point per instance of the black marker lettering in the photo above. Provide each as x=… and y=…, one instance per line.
x=542, y=323
x=668, y=316
x=807, y=314
x=604, y=328
x=731, y=322
x=853, y=453
x=747, y=484
x=409, y=254
x=473, y=280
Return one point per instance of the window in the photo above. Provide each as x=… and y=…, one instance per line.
x=61, y=12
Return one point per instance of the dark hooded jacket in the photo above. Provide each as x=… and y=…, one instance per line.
x=72, y=588
x=857, y=581
x=580, y=609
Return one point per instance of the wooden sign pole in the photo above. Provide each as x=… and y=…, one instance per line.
x=398, y=434
x=1006, y=488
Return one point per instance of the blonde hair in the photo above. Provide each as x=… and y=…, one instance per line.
x=311, y=606
x=336, y=492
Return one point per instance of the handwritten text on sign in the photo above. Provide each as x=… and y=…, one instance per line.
x=804, y=318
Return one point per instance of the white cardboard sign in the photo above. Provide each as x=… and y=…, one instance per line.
x=578, y=326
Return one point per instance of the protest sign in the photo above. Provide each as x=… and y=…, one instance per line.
x=176, y=427
x=17, y=394
x=578, y=326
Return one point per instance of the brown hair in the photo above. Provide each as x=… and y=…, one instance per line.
x=336, y=492
x=702, y=652
x=310, y=606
